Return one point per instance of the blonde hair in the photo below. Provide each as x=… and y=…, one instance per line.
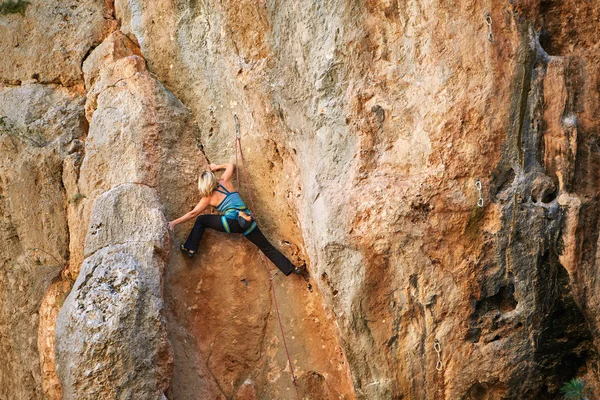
x=207, y=183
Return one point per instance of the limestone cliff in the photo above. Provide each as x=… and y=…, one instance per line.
x=434, y=164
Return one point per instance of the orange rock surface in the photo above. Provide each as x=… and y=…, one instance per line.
x=367, y=127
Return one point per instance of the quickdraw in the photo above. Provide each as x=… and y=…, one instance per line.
x=438, y=349
x=479, y=188
x=488, y=21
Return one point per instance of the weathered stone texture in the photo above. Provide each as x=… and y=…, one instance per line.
x=121, y=248
x=39, y=122
x=374, y=120
x=111, y=338
x=365, y=126
x=251, y=347
x=49, y=42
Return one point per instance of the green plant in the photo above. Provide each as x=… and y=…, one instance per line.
x=23, y=133
x=14, y=7
x=575, y=390
x=76, y=197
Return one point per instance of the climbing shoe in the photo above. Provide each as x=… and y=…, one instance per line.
x=187, y=252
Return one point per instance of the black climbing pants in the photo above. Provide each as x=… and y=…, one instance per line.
x=256, y=237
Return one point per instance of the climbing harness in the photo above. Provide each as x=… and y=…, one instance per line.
x=438, y=349
x=238, y=146
x=479, y=188
x=488, y=21
x=231, y=207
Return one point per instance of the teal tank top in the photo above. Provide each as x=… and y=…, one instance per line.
x=231, y=204
x=229, y=208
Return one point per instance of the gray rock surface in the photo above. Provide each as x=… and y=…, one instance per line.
x=111, y=340
x=137, y=214
x=111, y=337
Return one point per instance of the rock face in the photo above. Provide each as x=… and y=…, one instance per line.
x=366, y=127
x=110, y=338
x=40, y=123
x=49, y=42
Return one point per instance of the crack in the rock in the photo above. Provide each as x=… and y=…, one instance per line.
x=129, y=241
x=114, y=84
x=87, y=54
x=110, y=5
x=66, y=204
x=116, y=244
x=87, y=278
x=54, y=82
x=263, y=333
x=213, y=375
x=522, y=109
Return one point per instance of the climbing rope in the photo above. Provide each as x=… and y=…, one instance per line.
x=488, y=21
x=479, y=188
x=238, y=146
x=438, y=349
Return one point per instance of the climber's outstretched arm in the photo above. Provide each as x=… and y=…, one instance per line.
x=229, y=168
x=204, y=202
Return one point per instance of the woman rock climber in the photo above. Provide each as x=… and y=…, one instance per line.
x=235, y=218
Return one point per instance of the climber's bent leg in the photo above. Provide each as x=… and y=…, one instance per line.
x=202, y=222
x=271, y=252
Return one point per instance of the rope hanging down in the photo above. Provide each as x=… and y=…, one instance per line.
x=238, y=146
